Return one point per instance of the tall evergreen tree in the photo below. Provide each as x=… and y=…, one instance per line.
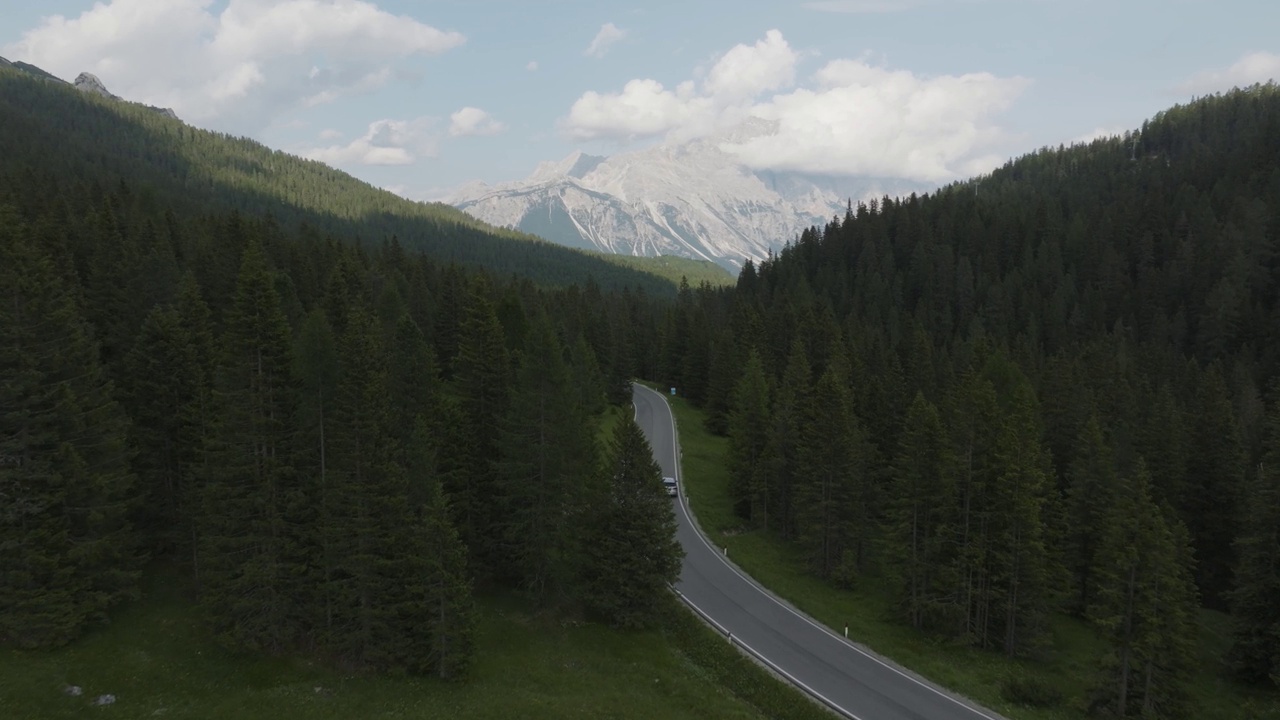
x=918, y=508
x=67, y=550
x=448, y=605
x=482, y=381
x=632, y=552
x=545, y=459
x=1255, y=601
x=1145, y=607
x=250, y=573
x=835, y=491
x=1091, y=493
x=748, y=436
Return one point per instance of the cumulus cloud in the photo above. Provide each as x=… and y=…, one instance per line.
x=533, y=65
x=233, y=68
x=850, y=118
x=473, y=121
x=608, y=35
x=1258, y=67
x=387, y=142
x=330, y=134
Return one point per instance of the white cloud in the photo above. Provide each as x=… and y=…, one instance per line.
x=849, y=118
x=330, y=134
x=473, y=121
x=608, y=35
x=533, y=65
x=387, y=142
x=232, y=67
x=1258, y=67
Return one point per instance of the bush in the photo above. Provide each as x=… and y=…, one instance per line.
x=1032, y=692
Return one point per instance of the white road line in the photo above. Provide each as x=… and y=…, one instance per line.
x=769, y=662
x=753, y=583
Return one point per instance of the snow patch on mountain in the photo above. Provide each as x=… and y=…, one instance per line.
x=692, y=199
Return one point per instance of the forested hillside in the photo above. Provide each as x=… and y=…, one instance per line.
x=337, y=442
x=1052, y=389
x=56, y=137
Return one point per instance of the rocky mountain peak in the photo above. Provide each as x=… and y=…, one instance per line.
x=88, y=82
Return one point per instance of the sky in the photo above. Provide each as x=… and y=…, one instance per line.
x=422, y=96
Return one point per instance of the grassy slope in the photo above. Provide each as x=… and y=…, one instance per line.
x=157, y=656
x=673, y=268
x=973, y=673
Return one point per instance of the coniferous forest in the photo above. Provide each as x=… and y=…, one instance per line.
x=338, y=442
x=1052, y=389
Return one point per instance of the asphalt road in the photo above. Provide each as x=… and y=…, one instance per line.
x=849, y=678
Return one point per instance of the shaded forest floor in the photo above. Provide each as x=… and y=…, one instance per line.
x=158, y=661
x=1069, y=666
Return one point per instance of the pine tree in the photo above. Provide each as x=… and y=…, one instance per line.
x=482, y=383
x=918, y=506
x=161, y=384
x=633, y=553
x=249, y=572
x=1090, y=494
x=790, y=416
x=1145, y=606
x=835, y=498
x=367, y=504
x=67, y=550
x=1255, y=601
x=545, y=459
x=316, y=369
x=974, y=426
x=1216, y=470
x=748, y=436
x=1020, y=567
x=448, y=605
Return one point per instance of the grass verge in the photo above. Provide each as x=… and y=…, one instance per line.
x=158, y=661
x=1069, y=669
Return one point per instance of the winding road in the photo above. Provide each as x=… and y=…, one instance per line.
x=849, y=679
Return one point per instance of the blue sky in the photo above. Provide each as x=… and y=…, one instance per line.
x=424, y=96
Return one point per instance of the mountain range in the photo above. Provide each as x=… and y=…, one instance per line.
x=692, y=199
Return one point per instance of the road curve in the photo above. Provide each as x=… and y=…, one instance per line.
x=849, y=679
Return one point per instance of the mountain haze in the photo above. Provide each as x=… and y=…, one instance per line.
x=693, y=199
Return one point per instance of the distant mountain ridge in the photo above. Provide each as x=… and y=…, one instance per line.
x=85, y=82
x=692, y=199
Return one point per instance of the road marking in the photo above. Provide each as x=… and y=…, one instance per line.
x=767, y=661
x=759, y=588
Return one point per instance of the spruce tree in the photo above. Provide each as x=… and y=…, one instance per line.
x=789, y=418
x=1018, y=560
x=919, y=507
x=545, y=459
x=67, y=550
x=1145, y=606
x=835, y=491
x=1255, y=601
x=447, y=608
x=1091, y=492
x=250, y=574
x=633, y=554
x=482, y=383
x=748, y=436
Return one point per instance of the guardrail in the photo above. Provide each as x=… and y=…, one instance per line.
x=737, y=642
